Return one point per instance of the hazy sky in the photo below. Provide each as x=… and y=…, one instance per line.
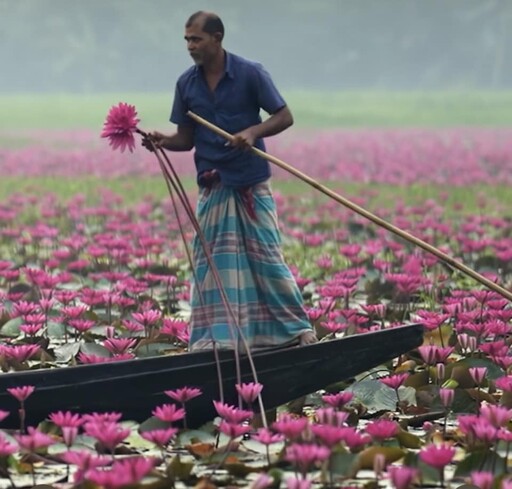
x=111, y=45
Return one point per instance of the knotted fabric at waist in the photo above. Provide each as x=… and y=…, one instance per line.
x=210, y=178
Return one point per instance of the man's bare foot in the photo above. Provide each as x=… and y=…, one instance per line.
x=307, y=338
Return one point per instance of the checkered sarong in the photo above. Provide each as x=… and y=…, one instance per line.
x=240, y=227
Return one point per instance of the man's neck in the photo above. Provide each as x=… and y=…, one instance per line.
x=217, y=64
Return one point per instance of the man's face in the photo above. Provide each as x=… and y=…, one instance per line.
x=201, y=46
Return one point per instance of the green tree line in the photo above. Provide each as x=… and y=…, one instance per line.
x=112, y=45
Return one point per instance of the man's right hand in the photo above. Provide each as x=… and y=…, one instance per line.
x=153, y=139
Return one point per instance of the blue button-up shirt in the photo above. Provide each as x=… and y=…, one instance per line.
x=234, y=105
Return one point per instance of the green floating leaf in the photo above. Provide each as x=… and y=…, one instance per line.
x=153, y=423
x=344, y=464
x=408, y=440
x=153, y=349
x=179, y=470
x=66, y=352
x=367, y=456
x=12, y=327
x=238, y=469
x=481, y=460
x=493, y=371
x=187, y=437
x=429, y=475
x=378, y=397
x=56, y=330
x=94, y=349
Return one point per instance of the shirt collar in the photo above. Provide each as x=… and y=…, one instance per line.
x=228, y=66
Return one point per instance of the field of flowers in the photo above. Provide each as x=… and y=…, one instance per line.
x=103, y=276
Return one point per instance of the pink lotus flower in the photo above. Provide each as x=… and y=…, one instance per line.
x=437, y=456
x=21, y=393
x=339, y=399
x=107, y=433
x=446, y=396
x=69, y=434
x=23, y=308
x=328, y=435
x=6, y=448
x=331, y=416
x=120, y=125
x=506, y=484
x=233, y=430
x=296, y=483
x=504, y=383
x=21, y=353
x=303, y=456
x=34, y=440
x=66, y=418
x=31, y=329
x=118, y=346
x=183, y=394
x=394, y=381
x=84, y=460
x=354, y=439
x=402, y=477
x=160, y=437
x=249, y=391
x=498, y=416
x=88, y=358
x=382, y=429
x=290, y=427
x=111, y=417
x=231, y=413
x=262, y=482
x=169, y=413
x=478, y=374
x=266, y=437
x=482, y=480
x=174, y=327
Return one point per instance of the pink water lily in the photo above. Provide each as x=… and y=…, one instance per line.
x=34, y=440
x=120, y=125
x=249, y=391
x=169, y=413
x=160, y=437
x=21, y=393
x=109, y=434
x=183, y=394
x=437, y=456
x=7, y=448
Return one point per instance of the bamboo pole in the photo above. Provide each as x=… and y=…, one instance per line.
x=363, y=212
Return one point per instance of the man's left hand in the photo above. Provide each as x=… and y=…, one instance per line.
x=244, y=139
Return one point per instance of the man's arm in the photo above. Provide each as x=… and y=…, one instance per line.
x=181, y=140
x=276, y=123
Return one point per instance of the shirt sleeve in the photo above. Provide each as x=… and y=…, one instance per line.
x=179, y=109
x=269, y=98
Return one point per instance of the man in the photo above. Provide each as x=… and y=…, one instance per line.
x=235, y=209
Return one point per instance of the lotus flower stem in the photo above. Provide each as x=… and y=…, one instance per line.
x=363, y=212
x=173, y=183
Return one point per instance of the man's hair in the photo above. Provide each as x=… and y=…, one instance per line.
x=212, y=22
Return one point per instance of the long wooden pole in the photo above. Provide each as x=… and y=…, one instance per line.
x=363, y=212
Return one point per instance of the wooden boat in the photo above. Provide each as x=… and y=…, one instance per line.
x=136, y=387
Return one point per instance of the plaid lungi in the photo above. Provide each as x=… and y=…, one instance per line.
x=241, y=230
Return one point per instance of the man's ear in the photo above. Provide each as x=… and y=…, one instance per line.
x=218, y=36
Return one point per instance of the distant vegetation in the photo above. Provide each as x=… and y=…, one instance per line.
x=137, y=45
x=312, y=109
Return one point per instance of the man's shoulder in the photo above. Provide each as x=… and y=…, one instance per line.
x=245, y=63
x=187, y=75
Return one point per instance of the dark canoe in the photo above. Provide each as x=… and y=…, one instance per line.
x=135, y=387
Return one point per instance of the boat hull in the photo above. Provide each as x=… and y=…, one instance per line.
x=136, y=387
